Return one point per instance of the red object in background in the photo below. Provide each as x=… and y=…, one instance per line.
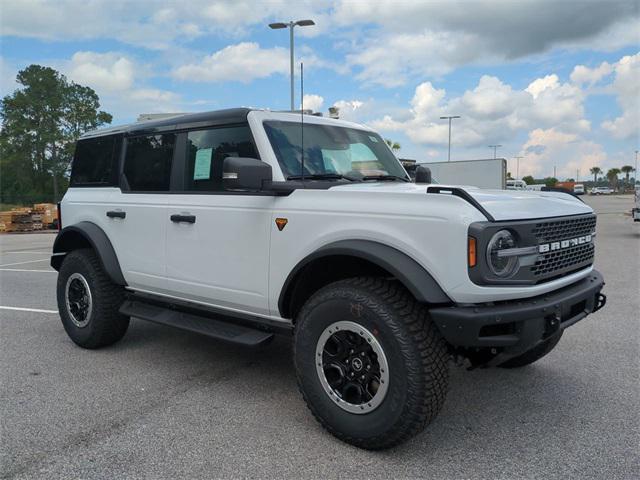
x=567, y=185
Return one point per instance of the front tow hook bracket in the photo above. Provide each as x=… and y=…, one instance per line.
x=601, y=301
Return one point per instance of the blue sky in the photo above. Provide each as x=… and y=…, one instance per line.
x=557, y=82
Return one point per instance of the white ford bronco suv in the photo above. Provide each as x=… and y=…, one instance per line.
x=241, y=224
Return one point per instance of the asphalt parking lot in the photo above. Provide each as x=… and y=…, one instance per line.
x=169, y=404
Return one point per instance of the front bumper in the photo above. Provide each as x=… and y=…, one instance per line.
x=516, y=326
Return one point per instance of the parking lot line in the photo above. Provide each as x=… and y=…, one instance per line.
x=22, y=263
x=25, y=270
x=22, y=309
x=27, y=252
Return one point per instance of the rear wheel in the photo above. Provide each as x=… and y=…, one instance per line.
x=534, y=354
x=88, y=301
x=371, y=366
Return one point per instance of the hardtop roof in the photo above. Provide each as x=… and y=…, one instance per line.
x=180, y=121
x=183, y=121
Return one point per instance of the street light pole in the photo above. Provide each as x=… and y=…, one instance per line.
x=495, y=149
x=518, y=167
x=291, y=62
x=449, y=117
x=291, y=25
x=635, y=174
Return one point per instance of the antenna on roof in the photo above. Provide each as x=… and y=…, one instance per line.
x=302, y=119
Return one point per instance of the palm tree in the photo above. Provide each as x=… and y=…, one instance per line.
x=627, y=169
x=395, y=146
x=612, y=175
x=595, y=171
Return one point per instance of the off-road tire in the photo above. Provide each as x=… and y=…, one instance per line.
x=105, y=326
x=416, y=353
x=534, y=354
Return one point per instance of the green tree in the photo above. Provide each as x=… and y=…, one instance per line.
x=41, y=121
x=529, y=180
x=627, y=169
x=395, y=146
x=612, y=176
x=550, y=181
x=595, y=171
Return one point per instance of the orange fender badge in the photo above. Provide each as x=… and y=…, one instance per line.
x=281, y=223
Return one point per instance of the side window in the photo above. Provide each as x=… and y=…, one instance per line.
x=206, y=151
x=95, y=161
x=147, y=163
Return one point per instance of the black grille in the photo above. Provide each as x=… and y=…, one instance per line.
x=551, y=262
x=566, y=259
x=564, y=229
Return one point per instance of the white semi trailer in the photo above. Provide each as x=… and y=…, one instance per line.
x=483, y=173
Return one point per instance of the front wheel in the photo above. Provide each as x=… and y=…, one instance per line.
x=371, y=366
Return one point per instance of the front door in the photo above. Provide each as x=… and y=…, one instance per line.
x=217, y=243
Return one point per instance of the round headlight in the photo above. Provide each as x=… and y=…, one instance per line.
x=501, y=266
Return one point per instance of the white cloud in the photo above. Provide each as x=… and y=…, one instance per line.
x=585, y=75
x=417, y=39
x=389, y=60
x=119, y=81
x=242, y=62
x=313, y=102
x=158, y=24
x=539, y=85
x=102, y=71
x=627, y=89
x=492, y=112
x=570, y=154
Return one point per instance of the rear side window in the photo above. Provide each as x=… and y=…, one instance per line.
x=147, y=163
x=206, y=151
x=95, y=162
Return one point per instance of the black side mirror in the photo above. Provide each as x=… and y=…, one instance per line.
x=423, y=174
x=240, y=173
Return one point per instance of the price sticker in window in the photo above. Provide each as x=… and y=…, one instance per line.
x=202, y=168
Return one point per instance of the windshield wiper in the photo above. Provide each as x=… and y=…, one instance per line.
x=324, y=176
x=385, y=177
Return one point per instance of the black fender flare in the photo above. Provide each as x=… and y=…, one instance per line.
x=68, y=239
x=409, y=272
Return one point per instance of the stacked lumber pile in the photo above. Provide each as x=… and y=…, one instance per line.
x=17, y=220
x=47, y=211
x=26, y=219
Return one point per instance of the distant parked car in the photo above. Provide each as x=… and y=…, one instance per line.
x=516, y=185
x=601, y=191
x=578, y=189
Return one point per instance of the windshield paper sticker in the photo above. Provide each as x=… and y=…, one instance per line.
x=202, y=168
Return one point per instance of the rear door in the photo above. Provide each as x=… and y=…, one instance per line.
x=218, y=242
x=137, y=217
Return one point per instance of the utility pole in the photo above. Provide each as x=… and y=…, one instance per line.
x=517, y=167
x=291, y=25
x=449, y=117
x=554, y=172
x=495, y=148
x=635, y=171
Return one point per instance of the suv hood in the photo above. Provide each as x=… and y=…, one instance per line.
x=500, y=204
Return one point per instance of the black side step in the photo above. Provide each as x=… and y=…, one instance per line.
x=210, y=327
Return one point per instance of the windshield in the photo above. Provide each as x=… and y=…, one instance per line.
x=332, y=151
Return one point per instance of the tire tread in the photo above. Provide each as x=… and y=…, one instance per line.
x=421, y=344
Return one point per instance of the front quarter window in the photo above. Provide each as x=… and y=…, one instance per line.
x=330, y=149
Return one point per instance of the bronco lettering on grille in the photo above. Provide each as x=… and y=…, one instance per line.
x=572, y=242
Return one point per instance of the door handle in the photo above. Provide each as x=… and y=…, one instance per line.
x=177, y=218
x=116, y=214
